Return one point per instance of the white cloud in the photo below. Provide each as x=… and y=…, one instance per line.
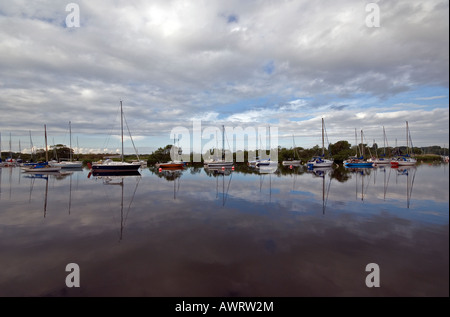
x=174, y=60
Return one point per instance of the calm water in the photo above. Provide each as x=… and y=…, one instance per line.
x=198, y=233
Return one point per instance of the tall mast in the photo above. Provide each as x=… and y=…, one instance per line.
x=46, y=151
x=362, y=144
x=70, y=142
x=31, y=145
x=323, y=141
x=407, y=139
x=223, y=143
x=121, y=125
x=356, y=143
x=10, y=150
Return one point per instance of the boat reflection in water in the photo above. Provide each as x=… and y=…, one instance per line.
x=118, y=179
x=218, y=172
x=410, y=173
x=58, y=175
x=322, y=172
x=361, y=173
x=172, y=174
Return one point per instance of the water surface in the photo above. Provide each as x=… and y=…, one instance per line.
x=240, y=233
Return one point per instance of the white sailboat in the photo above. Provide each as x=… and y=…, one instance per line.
x=70, y=163
x=381, y=160
x=110, y=166
x=219, y=163
x=267, y=165
x=292, y=162
x=43, y=168
x=407, y=159
x=320, y=161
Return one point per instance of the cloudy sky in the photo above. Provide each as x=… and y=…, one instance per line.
x=250, y=64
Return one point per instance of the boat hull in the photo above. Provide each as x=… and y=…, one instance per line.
x=220, y=164
x=170, y=165
x=115, y=168
x=44, y=169
x=293, y=163
x=319, y=164
x=67, y=164
x=361, y=164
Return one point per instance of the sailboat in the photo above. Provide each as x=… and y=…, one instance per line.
x=322, y=172
x=355, y=161
x=266, y=165
x=381, y=160
x=406, y=159
x=43, y=167
x=110, y=166
x=70, y=163
x=320, y=161
x=10, y=162
x=219, y=163
x=171, y=164
x=293, y=162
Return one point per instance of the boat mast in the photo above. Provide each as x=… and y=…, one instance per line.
x=362, y=144
x=407, y=139
x=46, y=150
x=31, y=145
x=10, y=150
x=121, y=126
x=70, y=142
x=356, y=144
x=223, y=143
x=323, y=144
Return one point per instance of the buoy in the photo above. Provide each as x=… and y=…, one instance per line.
x=232, y=168
x=160, y=170
x=223, y=168
x=290, y=166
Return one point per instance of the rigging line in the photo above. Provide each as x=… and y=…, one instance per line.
x=412, y=184
x=228, y=187
x=328, y=191
x=326, y=136
x=135, y=150
x=368, y=182
x=364, y=137
x=132, y=198
x=106, y=142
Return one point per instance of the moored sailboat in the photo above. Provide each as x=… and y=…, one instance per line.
x=381, y=160
x=42, y=167
x=219, y=163
x=110, y=166
x=70, y=163
x=406, y=159
x=320, y=161
x=355, y=161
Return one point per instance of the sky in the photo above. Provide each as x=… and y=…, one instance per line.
x=256, y=64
